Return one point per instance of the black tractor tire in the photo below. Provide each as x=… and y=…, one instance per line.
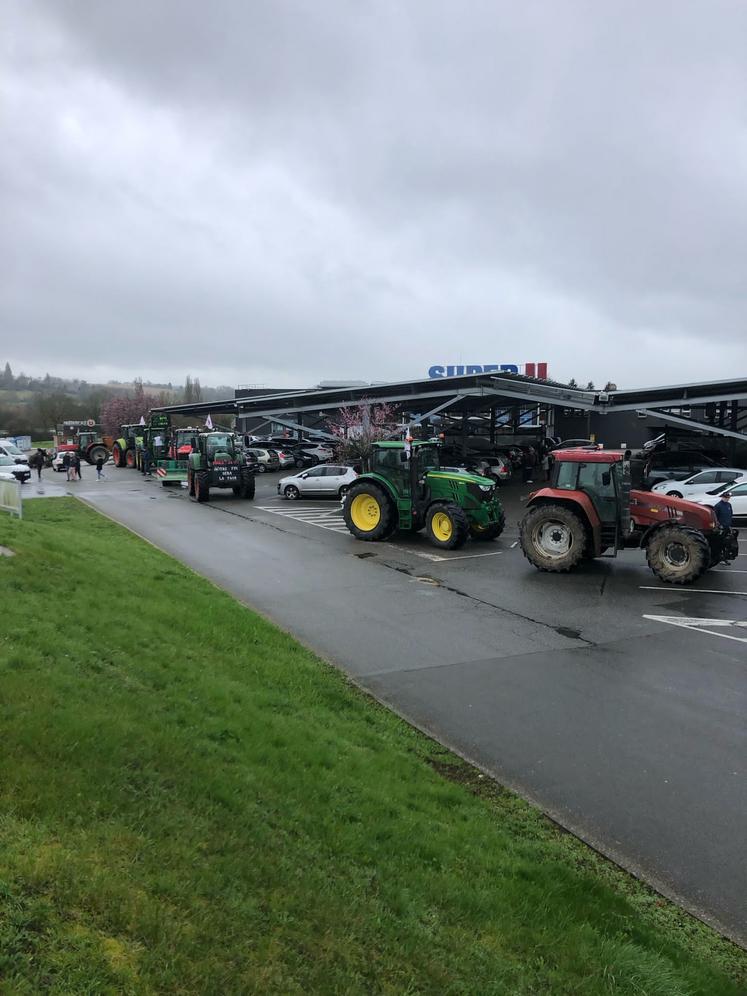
x=191, y=483
x=202, y=486
x=483, y=534
x=292, y=493
x=674, y=494
x=95, y=452
x=678, y=554
x=369, y=512
x=447, y=525
x=248, y=484
x=553, y=538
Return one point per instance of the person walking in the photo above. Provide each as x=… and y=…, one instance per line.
x=66, y=464
x=76, y=468
x=41, y=457
x=724, y=511
x=100, y=475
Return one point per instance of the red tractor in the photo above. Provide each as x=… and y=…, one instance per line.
x=588, y=510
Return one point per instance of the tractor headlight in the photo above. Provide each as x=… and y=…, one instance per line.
x=485, y=487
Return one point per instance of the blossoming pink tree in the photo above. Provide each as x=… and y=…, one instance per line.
x=359, y=426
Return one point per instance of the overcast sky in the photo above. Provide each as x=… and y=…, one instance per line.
x=282, y=192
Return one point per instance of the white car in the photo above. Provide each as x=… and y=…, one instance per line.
x=698, y=484
x=329, y=481
x=738, y=492
x=8, y=467
x=318, y=451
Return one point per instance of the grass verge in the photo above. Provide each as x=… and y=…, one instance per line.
x=191, y=802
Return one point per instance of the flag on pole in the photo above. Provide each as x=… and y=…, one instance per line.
x=142, y=420
x=208, y=423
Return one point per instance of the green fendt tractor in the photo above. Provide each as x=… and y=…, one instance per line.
x=215, y=462
x=124, y=449
x=409, y=491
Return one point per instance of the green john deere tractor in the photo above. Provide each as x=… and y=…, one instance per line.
x=124, y=449
x=409, y=491
x=215, y=462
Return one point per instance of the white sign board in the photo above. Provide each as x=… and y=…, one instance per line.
x=10, y=495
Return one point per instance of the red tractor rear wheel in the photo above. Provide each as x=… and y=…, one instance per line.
x=130, y=458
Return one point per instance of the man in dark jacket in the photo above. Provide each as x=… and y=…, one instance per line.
x=724, y=511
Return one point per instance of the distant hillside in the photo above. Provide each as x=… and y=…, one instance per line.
x=34, y=405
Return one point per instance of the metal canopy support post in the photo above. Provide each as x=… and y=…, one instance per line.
x=692, y=424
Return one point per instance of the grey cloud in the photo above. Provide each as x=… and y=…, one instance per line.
x=349, y=190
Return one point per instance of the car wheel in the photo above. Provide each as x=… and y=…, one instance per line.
x=292, y=493
x=674, y=494
x=343, y=490
x=299, y=463
x=261, y=468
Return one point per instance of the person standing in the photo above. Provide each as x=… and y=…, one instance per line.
x=546, y=465
x=76, y=468
x=530, y=462
x=724, y=511
x=100, y=475
x=146, y=459
x=66, y=464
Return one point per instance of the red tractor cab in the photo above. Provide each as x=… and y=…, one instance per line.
x=590, y=510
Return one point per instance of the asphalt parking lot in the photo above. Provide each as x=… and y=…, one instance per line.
x=614, y=702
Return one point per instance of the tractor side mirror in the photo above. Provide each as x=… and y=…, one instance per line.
x=606, y=478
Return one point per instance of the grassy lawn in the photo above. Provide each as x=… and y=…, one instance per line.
x=45, y=444
x=191, y=802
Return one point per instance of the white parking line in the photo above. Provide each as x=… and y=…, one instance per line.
x=689, y=591
x=704, y=625
x=324, y=518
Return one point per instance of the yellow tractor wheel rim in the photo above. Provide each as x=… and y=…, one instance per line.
x=365, y=512
x=442, y=526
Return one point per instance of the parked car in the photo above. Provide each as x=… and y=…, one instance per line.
x=319, y=451
x=328, y=481
x=8, y=465
x=265, y=459
x=286, y=458
x=699, y=484
x=499, y=468
x=675, y=465
x=11, y=450
x=738, y=494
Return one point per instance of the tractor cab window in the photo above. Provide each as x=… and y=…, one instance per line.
x=386, y=461
x=566, y=474
x=599, y=482
x=428, y=458
x=220, y=446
